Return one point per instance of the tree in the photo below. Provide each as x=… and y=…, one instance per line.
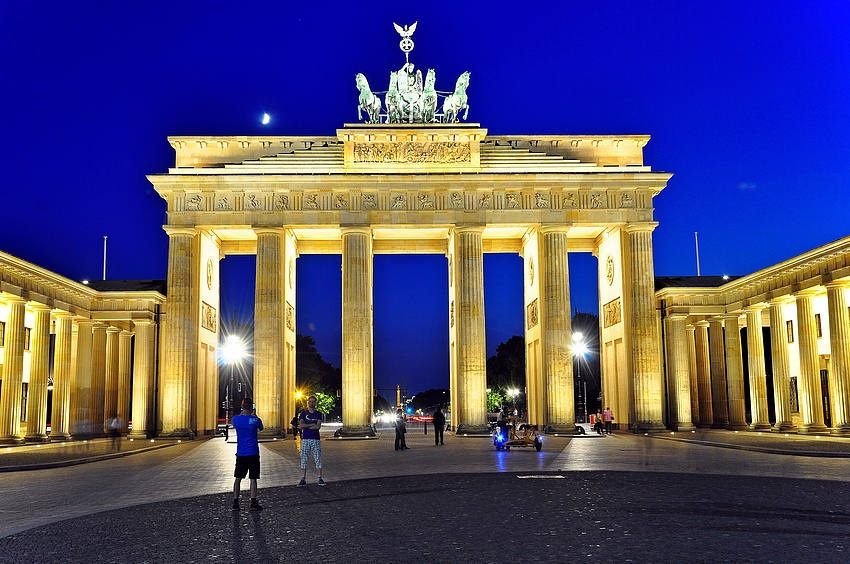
x=313, y=375
x=495, y=400
x=429, y=400
x=506, y=369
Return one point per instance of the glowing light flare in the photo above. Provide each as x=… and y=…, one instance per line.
x=233, y=350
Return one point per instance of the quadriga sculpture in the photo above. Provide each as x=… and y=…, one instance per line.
x=369, y=103
x=457, y=100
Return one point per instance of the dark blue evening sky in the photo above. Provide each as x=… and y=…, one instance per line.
x=746, y=103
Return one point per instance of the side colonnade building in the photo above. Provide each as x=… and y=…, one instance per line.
x=767, y=351
x=90, y=349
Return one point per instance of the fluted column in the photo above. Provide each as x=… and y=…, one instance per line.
x=692, y=372
x=758, y=377
x=839, y=343
x=781, y=367
x=556, y=330
x=648, y=382
x=62, y=379
x=357, y=331
x=268, y=328
x=180, y=351
x=735, y=390
x=110, y=386
x=703, y=375
x=39, y=372
x=125, y=364
x=81, y=422
x=719, y=408
x=471, y=337
x=678, y=373
x=13, y=372
x=98, y=379
x=144, y=366
x=811, y=398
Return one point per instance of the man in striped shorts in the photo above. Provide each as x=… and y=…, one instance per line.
x=310, y=421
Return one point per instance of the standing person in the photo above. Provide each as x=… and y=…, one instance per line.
x=439, y=425
x=609, y=417
x=246, y=425
x=597, y=426
x=310, y=421
x=400, y=430
x=294, y=424
x=502, y=423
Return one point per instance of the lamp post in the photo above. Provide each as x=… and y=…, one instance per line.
x=579, y=350
x=232, y=353
x=513, y=393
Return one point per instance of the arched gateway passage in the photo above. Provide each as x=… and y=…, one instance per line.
x=411, y=188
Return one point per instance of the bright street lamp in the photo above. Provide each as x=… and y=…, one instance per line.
x=580, y=349
x=232, y=352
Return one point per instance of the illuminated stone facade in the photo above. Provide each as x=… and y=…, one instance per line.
x=443, y=189
x=802, y=382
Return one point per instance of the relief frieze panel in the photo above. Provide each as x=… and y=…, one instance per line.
x=532, y=315
x=412, y=152
x=612, y=313
x=209, y=317
x=290, y=317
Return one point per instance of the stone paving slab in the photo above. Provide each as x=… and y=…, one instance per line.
x=490, y=517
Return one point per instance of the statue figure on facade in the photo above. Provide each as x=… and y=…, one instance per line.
x=457, y=100
x=409, y=99
x=369, y=102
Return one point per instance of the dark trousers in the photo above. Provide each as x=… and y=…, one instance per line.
x=608, y=427
x=399, y=440
x=438, y=434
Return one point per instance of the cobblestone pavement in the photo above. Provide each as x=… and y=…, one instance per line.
x=619, y=498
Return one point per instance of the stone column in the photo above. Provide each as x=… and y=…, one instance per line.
x=719, y=408
x=648, y=383
x=839, y=342
x=39, y=372
x=98, y=379
x=144, y=366
x=471, y=337
x=13, y=372
x=692, y=372
x=735, y=375
x=62, y=379
x=110, y=386
x=758, y=377
x=268, y=329
x=781, y=367
x=81, y=422
x=811, y=399
x=556, y=330
x=703, y=375
x=678, y=373
x=125, y=364
x=180, y=351
x=357, y=330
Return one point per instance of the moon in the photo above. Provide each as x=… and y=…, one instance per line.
x=266, y=119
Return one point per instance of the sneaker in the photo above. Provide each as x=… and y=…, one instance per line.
x=235, y=505
x=255, y=505
x=302, y=483
x=322, y=482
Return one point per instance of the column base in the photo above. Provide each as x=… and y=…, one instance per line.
x=842, y=430
x=719, y=425
x=737, y=427
x=683, y=427
x=466, y=429
x=54, y=437
x=813, y=429
x=11, y=441
x=272, y=433
x=759, y=427
x=562, y=429
x=178, y=434
x=39, y=438
x=354, y=431
x=703, y=425
x=786, y=426
x=649, y=427
x=139, y=435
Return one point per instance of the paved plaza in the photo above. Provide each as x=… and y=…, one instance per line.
x=710, y=496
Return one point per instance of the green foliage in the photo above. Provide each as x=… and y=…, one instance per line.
x=506, y=369
x=495, y=400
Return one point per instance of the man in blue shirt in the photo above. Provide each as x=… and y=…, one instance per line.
x=246, y=425
x=310, y=421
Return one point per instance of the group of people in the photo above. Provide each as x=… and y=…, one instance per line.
x=439, y=421
x=247, y=426
x=603, y=421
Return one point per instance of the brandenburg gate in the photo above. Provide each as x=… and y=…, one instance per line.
x=447, y=188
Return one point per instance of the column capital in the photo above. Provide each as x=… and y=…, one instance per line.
x=12, y=298
x=113, y=330
x=842, y=283
x=555, y=228
x=38, y=306
x=702, y=323
x=173, y=230
x=365, y=229
x=731, y=315
x=807, y=293
x=469, y=229
x=271, y=230
x=143, y=322
x=89, y=322
x=637, y=227
x=125, y=333
x=677, y=316
x=755, y=308
x=61, y=314
x=780, y=300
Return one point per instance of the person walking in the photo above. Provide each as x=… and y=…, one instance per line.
x=310, y=421
x=439, y=425
x=609, y=417
x=598, y=422
x=246, y=425
x=400, y=430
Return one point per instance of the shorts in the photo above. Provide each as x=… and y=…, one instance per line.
x=249, y=465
